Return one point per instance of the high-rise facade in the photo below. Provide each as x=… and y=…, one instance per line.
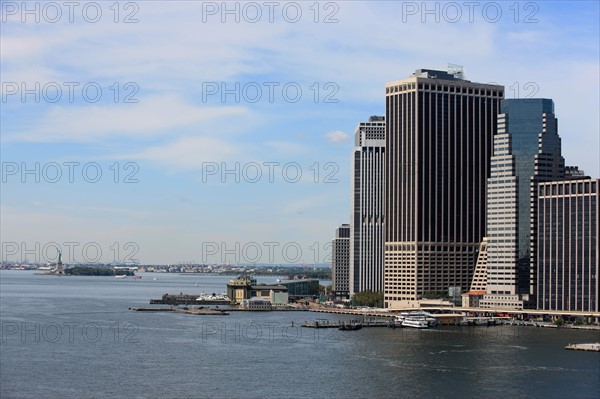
x=367, y=219
x=568, y=250
x=340, y=262
x=479, y=281
x=549, y=166
x=522, y=125
x=439, y=135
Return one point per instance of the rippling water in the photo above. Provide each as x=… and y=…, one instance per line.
x=74, y=337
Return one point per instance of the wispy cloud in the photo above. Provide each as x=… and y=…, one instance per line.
x=188, y=152
x=336, y=137
x=171, y=52
x=151, y=116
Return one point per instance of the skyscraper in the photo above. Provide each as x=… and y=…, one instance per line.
x=522, y=127
x=367, y=218
x=549, y=166
x=439, y=134
x=340, y=262
x=568, y=250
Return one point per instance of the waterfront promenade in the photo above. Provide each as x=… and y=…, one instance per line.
x=193, y=311
x=519, y=315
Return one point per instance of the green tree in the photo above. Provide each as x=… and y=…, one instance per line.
x=369, y=298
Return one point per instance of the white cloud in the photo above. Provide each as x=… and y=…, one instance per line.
x=336, y=137
x=188, y=152
x=152, y=116
x=172, y=51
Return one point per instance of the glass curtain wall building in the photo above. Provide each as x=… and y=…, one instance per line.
x=516, y=145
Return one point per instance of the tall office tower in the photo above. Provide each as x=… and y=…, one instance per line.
x=439, y=133
x=509, y=204
x=367, y=219
x=340, y=262
x=568, y=250
x=549, y=166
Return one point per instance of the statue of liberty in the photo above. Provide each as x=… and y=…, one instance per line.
x=59, y=266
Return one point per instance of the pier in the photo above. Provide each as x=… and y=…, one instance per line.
x=355, y=312
x=194, y=311
x=584, y=347
x=325, y=323
x=187, y=299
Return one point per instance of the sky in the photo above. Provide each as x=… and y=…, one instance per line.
x=184, y=131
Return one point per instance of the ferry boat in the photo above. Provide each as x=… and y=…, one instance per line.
x=415, y=322
x=417, y=315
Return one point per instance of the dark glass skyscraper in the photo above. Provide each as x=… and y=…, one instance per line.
x=524, y=123
x=527, y=150
x=516, y=145
x=439, y=134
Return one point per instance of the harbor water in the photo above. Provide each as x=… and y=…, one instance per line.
x=73, y=337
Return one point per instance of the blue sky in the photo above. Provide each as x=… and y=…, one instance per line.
x=181, y=131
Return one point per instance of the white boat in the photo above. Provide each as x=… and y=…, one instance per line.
x=121, y=276
x=415, y=322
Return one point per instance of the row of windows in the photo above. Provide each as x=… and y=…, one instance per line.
x=446, y=89
x=398, y=298
x=390, y=248
x=396, y=89
x=562, y=188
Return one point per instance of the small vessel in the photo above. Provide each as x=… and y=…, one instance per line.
x=136, y=276
x=415, y=322
x=350, y=326
x=397, y=322
x=120, y=276
x=418, y=315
